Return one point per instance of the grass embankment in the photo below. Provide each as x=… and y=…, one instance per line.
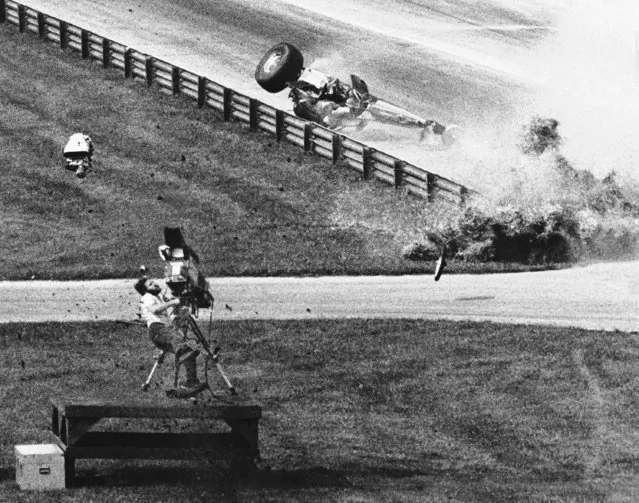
x=357, y=411
x=249, y=205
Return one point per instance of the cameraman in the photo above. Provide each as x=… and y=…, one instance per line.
x=158, y=316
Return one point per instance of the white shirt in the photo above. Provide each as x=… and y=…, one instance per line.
x=150, y=302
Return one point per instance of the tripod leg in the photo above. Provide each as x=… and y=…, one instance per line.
x=145, y=386
x=211, y=355
x=199, y=336
x=176, y=375
x=226, y=379
x=158, y=361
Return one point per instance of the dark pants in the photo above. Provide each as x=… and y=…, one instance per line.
x=166, y=338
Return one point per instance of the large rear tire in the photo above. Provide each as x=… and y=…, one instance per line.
x=281, y=64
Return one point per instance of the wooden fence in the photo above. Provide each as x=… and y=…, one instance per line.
x=170, y=79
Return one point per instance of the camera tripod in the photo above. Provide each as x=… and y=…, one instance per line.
x=190, y=330
x=213, y=355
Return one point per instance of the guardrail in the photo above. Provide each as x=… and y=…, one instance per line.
x=170, y=79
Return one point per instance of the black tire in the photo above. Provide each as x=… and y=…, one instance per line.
x=440, y=265
x=281, y=64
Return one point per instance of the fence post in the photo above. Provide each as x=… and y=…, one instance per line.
x=128, y=63
x=399, y=173
x=42, y=25
x=175, y=80
x=279, y=125
x=85, y=44
x=253, y=114
x=64, y=38
x=430, y=186
x=308, y=136
x=3, y=11
x=22, y=18
x=148, y=66
x=463, y=196
x=228, y=102
x=367, y=159
x=106, y=53
x=337, y=147
x=201, y=92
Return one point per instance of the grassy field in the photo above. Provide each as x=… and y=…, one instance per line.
x=249, y=205
x=358, y=411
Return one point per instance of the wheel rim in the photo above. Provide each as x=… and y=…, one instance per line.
x=272, y=62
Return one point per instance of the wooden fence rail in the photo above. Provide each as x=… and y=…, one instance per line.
x=172, y=80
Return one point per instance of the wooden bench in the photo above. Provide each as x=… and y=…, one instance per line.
x=72, y=423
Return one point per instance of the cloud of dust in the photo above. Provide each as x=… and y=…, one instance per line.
x=586, y=78
x=584, y=75
x=332, y=64
x=587, y=73
x=588, y=70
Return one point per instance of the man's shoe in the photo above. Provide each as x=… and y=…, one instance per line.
x=190, y=383
x=181, y=392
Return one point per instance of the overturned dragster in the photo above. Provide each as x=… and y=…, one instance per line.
x=332, y=103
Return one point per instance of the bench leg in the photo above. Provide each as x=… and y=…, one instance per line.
x=243, y=470
x=69, y=471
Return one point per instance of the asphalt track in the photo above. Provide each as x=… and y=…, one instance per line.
x=600, y=296
x=457, y=65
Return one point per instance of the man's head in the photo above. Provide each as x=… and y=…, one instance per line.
x=145, y=285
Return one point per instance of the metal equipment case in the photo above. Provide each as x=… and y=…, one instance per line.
x=39, y=467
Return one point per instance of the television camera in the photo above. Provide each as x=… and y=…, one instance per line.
x=182, y=272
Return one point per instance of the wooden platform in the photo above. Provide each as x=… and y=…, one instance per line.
x=74, y=427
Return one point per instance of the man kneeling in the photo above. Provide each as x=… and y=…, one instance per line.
x=160, y=317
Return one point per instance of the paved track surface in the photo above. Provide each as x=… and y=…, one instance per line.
x=441, y=59
x=602, y=296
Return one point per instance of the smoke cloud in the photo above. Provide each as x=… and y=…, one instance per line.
x=588, y=76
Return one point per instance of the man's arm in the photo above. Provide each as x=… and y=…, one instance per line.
x=158, y=306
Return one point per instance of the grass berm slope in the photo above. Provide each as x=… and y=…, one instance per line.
x=249, y=205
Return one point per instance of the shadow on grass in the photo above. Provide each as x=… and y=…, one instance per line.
x=7, y=474
x=209, y=475
x=128, y=474
x=313, y=477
